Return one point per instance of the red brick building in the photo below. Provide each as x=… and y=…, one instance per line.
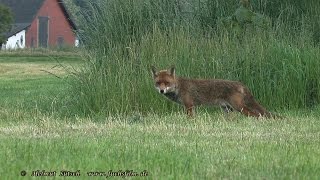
x=40, y=23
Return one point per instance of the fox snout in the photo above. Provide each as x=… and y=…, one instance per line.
x=163, y=89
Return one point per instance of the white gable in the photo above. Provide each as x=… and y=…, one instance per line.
x=16, y=41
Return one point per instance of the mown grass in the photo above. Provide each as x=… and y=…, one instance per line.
x=34, y=83
x=168, y=147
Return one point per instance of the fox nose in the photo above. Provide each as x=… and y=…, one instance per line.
x=161, y=91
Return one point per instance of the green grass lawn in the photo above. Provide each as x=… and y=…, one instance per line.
x=209, y=146
x=32, y=83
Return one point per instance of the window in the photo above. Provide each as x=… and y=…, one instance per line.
x=21, y=40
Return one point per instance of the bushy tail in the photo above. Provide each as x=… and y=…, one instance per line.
x=257, y=110
x=263, y=112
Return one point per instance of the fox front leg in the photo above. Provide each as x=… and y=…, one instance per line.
x=189, y=111
x=189, y=107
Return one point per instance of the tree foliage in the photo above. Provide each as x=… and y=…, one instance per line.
x=6, y=19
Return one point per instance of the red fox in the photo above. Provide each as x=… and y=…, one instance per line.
x=230, y=95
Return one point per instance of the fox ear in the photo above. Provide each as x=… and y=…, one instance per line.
x=154, y=71
x=172, y=71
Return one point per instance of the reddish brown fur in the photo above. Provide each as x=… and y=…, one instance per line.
x=193, y=92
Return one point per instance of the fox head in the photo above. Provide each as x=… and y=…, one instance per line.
x=165, y=80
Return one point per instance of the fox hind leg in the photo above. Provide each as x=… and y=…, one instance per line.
x=238, y=103
x=246, y=111
x=226, y=108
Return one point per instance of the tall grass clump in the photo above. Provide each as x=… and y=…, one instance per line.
x=122, y=38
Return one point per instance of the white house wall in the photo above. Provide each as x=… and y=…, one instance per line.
x=16, y=41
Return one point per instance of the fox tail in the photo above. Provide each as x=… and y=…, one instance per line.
x=253, y=108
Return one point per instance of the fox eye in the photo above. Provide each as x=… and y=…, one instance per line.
x=165, y=83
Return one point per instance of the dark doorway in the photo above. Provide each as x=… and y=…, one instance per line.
x=43, y=31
